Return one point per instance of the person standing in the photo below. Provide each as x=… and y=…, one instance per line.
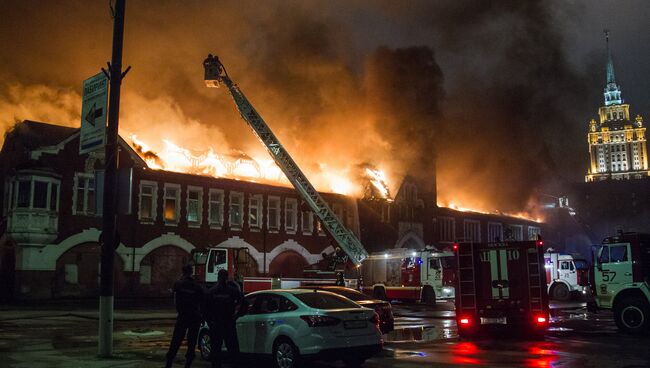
x=223, y=301
x=188, y=297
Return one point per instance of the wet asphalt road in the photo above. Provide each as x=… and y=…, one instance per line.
x=424, y=337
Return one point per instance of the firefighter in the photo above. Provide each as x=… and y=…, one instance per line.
x=225, y=302
x=188, y=297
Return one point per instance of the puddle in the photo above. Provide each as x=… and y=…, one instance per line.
x=143, y=332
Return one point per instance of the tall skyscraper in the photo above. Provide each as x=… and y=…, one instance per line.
x=617, y=145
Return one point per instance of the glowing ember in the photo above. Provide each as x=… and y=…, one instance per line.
x=522, y=215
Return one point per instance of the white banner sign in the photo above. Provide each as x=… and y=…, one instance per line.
x=93, y=114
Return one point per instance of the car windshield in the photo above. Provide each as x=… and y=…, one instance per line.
x=350, y=294
x=581, y=264
x=320, y=300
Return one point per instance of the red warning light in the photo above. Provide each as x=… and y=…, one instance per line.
x=464, y=321
x=455, y=246
x=540, y=243
x=541, y=319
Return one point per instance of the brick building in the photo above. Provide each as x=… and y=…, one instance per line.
x=50, y=229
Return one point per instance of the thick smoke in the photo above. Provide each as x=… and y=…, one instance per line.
x=483, y=86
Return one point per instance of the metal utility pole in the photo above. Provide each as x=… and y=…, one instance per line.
x=109, y=238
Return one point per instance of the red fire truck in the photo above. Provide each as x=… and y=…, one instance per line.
x=406, y=274
x=502, y=284
x=209, y=261
x=565, y=275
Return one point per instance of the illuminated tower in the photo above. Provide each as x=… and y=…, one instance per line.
x=617, y=145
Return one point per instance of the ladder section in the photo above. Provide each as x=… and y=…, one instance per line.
x=214, y=72
x=466, y=277
x=534, y=280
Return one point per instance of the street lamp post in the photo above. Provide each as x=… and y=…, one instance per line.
x=109, y=238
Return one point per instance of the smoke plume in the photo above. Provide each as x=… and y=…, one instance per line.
x=483, y=87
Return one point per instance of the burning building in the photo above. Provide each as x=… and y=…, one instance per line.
x=51, y=215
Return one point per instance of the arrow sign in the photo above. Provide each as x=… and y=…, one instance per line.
x=93, y=114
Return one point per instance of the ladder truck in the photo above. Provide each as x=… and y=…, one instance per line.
x=216, y=75
x=499, y=286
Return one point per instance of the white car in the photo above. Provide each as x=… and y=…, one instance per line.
x=296, y=325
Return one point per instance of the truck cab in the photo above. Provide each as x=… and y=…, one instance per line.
x=565, y=275
x=413, y=275
x=621, y=280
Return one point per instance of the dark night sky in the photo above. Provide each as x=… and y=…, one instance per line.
x=500, y=88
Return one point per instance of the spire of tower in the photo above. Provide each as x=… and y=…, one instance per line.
x=612, y=90
x=610, y=63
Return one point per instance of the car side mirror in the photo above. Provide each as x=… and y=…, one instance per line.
x=599, y=266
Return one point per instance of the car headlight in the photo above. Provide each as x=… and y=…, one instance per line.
x=447, y=290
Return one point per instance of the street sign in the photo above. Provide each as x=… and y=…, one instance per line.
x=93, y=114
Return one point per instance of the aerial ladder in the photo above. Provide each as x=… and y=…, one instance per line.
x=215, y=74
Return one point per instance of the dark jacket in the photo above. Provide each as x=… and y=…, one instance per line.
x=222, y=301
x=188, y=296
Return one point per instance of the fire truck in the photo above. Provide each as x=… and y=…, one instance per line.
x=565, y=275
x=622, y=280
x=411, y=275
x=501, y=284
x=210, y=260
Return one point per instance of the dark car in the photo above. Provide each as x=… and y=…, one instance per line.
x=383, y=308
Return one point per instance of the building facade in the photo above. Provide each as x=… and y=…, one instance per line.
x=617, y=144
x=49, y=245
x=51, y=220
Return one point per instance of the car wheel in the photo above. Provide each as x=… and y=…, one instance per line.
x=354, y=362
x=204, y=345
x=560, y=292
x=428, y=295
x=632, y=315
x=285, y=354
x=379, y=293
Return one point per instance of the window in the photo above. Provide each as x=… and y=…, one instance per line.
x=40, y=194
x=269, y=303
x=194, y=205
x=564, y=265
x=325, y=301
x=290, y=215
x=604, y=255
x=274, y=213
x=434, y=264
x=533, y=232
x=24, y=194
x=84, y=200
x=172, y=203
x=472, y=230
x=447, y=229
x=215, y=209
x=255, y=211
x=495, y=232
x=307, y=222
x=517, y=232
x=148, y=201
x=618, y=253
x=32, y=193
x=385, y=212
x=319, y=228
x=236, y=210
x=6, y=203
